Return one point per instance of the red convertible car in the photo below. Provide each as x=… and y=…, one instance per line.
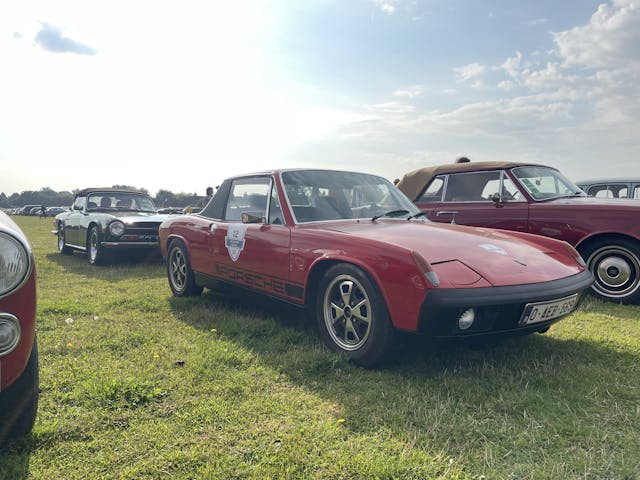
x=538, y=199
x=355, y=251
x=18, y=348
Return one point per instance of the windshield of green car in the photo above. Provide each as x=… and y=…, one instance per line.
x=321, y=195
x=114, y=201
x=544, y=183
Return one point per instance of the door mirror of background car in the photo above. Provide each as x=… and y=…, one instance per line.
x=495, y=198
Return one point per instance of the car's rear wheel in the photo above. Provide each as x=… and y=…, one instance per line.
x=179, y=273
x=95, y=251
x=62, y=245
x=19, y=415
x=352, y=316
x=616, y=270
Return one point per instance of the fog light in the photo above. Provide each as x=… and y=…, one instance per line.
x=466, y=319
x=9, y=333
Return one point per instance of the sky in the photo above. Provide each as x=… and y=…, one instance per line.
x=181, y=95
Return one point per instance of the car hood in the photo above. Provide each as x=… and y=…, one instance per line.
x=137, y=217
x=497, y=256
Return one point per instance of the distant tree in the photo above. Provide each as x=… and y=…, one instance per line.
x=4, y=201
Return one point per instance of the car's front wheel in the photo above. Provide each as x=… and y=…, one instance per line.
x=352, y=316
x=616, y=270
x=62, y=245
x=19, y=414
x=95, y=251
x=179, y=273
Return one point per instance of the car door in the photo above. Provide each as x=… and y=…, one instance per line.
x=251, y=245
x=485, y=199
x=74, y=221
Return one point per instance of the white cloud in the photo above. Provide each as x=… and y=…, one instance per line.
x=410, y=92
x=470, y=71
x=611, y=38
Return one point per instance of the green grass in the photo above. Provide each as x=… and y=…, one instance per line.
x=139, y=385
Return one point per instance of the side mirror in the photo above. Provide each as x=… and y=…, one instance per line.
x=250, y=218
x=495, y=198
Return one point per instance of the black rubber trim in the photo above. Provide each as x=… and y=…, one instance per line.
x=533, y=292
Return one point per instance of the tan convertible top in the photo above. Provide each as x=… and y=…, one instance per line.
x=413, y=183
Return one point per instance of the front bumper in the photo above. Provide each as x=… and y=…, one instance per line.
x=128, y=245
x=498, y=309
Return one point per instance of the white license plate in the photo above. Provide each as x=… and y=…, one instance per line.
x=543, y=311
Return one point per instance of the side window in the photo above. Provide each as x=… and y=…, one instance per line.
x=247, y=195
x=275, y=211
x=79, y=203
x=608, y=191
x=472, y=187
x=510, y=192
x=636, y=191
x=433, y=193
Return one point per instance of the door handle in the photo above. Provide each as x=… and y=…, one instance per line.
x=453, y=214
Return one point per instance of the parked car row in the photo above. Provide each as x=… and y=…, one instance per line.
x=463, y=252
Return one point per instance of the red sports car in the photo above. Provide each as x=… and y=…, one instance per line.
x=355, y=251
x=537, y=199
x=18, y=348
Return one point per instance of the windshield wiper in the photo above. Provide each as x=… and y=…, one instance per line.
x=392, y=213
x=416, y=215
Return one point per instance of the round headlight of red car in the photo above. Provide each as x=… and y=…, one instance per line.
x=14, y=263
x=116, y=228
x=9, y=333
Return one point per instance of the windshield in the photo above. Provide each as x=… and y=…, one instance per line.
x=120, y=201
x=320, y=195
x=543, y=183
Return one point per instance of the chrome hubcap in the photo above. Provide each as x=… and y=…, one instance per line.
x=616, y=271
x=60, y=240
x=178, y=269
x=347, y=312
x=93, y=246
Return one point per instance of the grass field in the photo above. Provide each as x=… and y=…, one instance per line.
x=136, y=384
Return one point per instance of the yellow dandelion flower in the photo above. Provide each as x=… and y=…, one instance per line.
x=341, y=420
x=156, y=356
x=214, y=330
x=69, y=345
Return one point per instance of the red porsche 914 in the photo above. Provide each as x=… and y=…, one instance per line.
x=355, y=251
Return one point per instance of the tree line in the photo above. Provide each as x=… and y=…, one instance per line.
x=47, y=196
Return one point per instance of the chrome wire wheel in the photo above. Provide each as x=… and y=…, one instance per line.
x=616, y=270
x=61, y=246
x=93, y=245
x=347, y=312
x=177, y=269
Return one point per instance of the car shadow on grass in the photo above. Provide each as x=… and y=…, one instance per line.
x=124, y=265
x=539, y=375
x=15, y=458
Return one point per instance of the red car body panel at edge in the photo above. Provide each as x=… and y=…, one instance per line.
x=18, y=348
x=298, y=256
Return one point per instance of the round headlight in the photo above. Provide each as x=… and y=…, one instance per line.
x=466, y=319
x=14, y=263
x=116, y=228
x=9, y=333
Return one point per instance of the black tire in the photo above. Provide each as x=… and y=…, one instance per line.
x=616, y=269
x=17, y=418
x=95, y=251
x=63, y=248
x=179, y=273
x=352, y=317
